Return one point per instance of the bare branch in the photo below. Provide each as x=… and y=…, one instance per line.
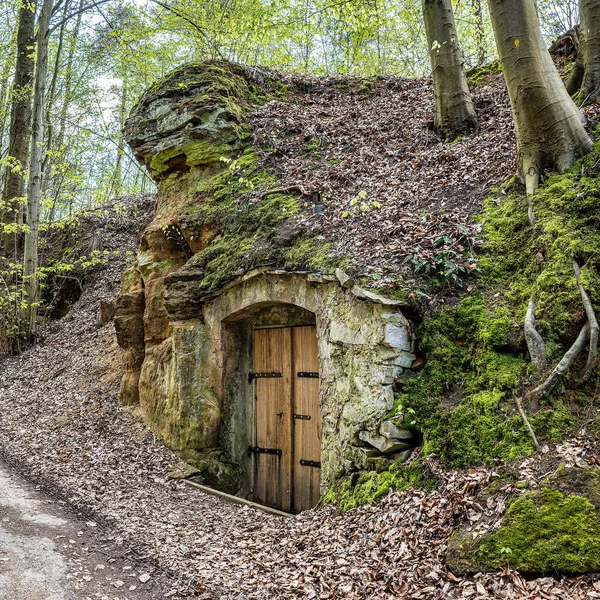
x=190, y=22
x=593, y=321
x=535, y=342
x=75, y=13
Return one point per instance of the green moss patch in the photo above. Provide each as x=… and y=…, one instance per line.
x=543, y=532
x=479, y=76
x=537, y=262
x=551, y=529
x=372, y=486
x=255, y=229
x=462, y=400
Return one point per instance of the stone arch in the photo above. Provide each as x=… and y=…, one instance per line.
x=191, y=379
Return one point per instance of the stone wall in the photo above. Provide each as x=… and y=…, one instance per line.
x=193, y=387
x=188, y=307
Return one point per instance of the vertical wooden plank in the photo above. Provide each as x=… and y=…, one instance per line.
x=285, y=409
x=273, y=408
x=307, y=432
x=261, y=466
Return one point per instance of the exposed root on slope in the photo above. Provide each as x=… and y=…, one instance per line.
x=563, y=365
x=526, y=420
x=535, y=342
x=593, y=323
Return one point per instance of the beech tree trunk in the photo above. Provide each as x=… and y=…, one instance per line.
x=30, y=255
x=20, y=119
x=454, y=111
x=590, y=50
x=549, y=128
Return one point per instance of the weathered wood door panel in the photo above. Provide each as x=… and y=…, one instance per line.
x=287, y=418
x=307, y=418
x=273, y=474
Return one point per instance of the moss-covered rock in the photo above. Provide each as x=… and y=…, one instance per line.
x=553, y=529
x=192, y=117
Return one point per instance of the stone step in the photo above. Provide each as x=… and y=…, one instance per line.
x=383, y=444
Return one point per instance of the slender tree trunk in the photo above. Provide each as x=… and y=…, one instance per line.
x=7, y=68
x=68, y=81
x=479, y=33
x=118, y=178
x=52, y=94
x=454, y=111
x=20, y=119
x=30, y=256
x=590, y=50
x=549, y=128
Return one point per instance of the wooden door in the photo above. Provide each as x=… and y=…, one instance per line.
x=306, y=472
x=287, y=447
x=273, y=402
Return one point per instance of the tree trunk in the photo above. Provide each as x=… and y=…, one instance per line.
x=550, y=133
x=7, y=69
x=68, y=81
x=454, y=111
x=30, y=255
x=118, y=177
x=20, y=119
x=52, y=97
x=590, y=50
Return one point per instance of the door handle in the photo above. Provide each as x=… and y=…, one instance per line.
x=280, y=414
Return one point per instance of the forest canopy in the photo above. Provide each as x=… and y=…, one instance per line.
x=103, y=54
x=73, y=69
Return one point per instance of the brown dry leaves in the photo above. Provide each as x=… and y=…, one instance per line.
x=341, y=143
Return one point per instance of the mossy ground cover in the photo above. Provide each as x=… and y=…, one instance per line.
x=544, y=532
x=463, y=400
x=255, y=230
x=372, y=486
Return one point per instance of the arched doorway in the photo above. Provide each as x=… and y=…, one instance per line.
x=287, y=451
x=272, y=372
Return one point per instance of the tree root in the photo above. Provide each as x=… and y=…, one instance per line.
x=537, y=349
x=535, y=342
x=283, y=190
x=532, y=182
x=593, y=323
x=524, y=416
x=565, y=362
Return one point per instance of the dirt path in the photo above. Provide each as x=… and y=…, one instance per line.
x=47, y=553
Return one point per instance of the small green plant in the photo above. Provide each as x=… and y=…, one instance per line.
x=359, y=205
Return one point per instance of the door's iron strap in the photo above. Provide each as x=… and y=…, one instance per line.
x=310, y=463
x=302, y=417
x=258, y=450
x=252, y=375
x=309, y=374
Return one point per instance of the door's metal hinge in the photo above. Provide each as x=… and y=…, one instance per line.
x=258, y=450
x=252, y=376
x=302, y=417
x=309, y=374
x=310, y=463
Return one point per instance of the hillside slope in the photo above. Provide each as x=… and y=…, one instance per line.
x=62, y=423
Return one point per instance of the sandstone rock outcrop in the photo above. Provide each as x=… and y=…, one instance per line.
x=221, y=257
